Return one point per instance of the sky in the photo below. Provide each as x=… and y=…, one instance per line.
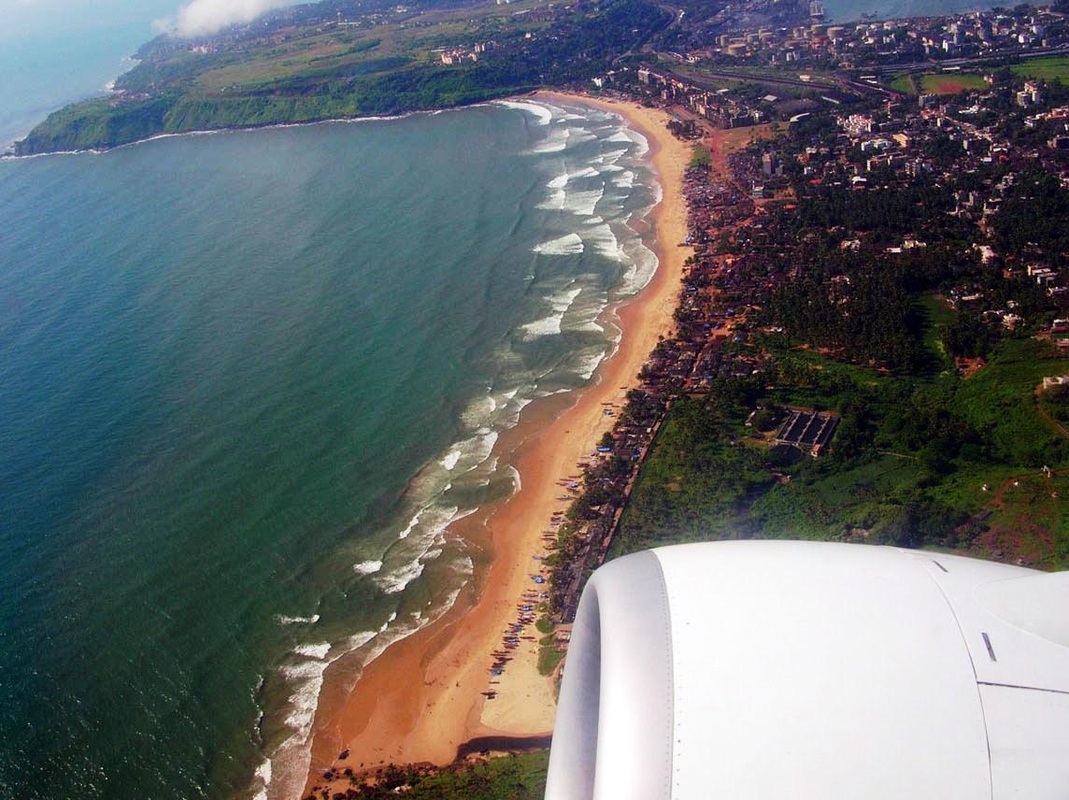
x=20, y=18
x=41, y=19
x=207, y=16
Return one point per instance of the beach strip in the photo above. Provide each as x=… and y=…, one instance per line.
x=425, y=695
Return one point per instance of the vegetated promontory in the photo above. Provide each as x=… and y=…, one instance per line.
x=345, y=59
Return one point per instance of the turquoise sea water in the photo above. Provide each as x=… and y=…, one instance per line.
x=246, y=380
x=53, y=52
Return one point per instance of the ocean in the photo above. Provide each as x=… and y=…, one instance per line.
x=246, y=382
x=53, y=52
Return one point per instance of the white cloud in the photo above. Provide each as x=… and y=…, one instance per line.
x=202, y=17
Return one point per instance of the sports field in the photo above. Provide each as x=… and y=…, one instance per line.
x=939, y=83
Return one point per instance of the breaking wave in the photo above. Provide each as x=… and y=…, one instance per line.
x=285, y=620
x=571, y=244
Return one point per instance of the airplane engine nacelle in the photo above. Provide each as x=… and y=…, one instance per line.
x=774, y=669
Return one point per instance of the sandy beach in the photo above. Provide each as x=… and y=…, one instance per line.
x=423, y=697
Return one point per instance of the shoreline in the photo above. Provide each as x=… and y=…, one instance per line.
x=423, y=697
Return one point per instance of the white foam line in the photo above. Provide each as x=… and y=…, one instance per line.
x=515, y=475
x=263, y=775
x=449, y=461
x=430, y=534
x=424, y=532
x=284, y=620
x=642, y=142
x=412, y=523
x=293, y=757
x=589, y=365
x=551, y=325
x=398, y=579
x=317, y=651
x=555, y=142
x=571, y=244
x=554, y=201
x=480, y=412
x=583, y=203
x=605, y=241
x=543, y=115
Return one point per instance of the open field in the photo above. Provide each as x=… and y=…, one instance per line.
x=938, y=316
x=951, y=83
x=1055, y=68
x=375, y=44
x=938, y=83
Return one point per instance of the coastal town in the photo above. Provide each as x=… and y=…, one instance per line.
x=1006, y=128
x=895, y=226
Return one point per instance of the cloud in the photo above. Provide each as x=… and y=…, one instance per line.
x=202, y=17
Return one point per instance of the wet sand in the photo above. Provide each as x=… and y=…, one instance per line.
x=423, y=697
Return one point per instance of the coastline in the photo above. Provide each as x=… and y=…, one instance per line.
x=424, y=696
x=7, y=155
